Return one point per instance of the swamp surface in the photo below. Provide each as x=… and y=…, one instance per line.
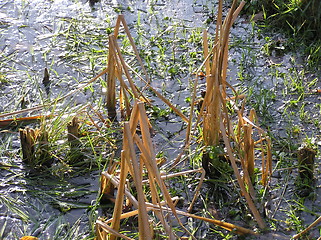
x=70, y=39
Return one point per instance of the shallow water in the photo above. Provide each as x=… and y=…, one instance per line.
x=70, y=39
x=39, y=34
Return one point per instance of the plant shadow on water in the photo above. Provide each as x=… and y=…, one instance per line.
x=37, y=203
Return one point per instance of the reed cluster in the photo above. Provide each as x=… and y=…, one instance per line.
x=221, y=122
x=138, y=163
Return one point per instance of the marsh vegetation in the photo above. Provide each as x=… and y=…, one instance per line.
x=158, y=120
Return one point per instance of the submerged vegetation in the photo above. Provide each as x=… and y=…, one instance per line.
x=158, y=129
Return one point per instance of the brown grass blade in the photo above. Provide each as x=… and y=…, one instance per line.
x=115, y=182
x=122, y=19
x=197, y=190
x=225, y=225
x=316, y=222
x=250, y=203
x=106, y=228
x=120, y=195
x=143, y=223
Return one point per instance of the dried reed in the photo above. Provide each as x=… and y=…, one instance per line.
x=111, y=81
x=34, y=146
x=316, y=222
x=155, y=180
x=28, y=138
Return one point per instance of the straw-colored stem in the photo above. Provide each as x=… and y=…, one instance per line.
x=269, y=155
x=250, y=203
x=225, y=225
x=111, y=82
x=156, y=199
x=197, y=190
x=132, y=42
x=135, y=212
x=120, y=195
x=161, y=97
x=143, y=223
x=206, y=54
x=100, y=116
x=106, y=228
x=168, y=176
x=249, y=150
x=238, y=10
x=264, y=166
x=106, y=189
x=147, y=156
x=131, y=83
x=152, y=161
x=127, y=193
x=211, y=129
x=316, y=222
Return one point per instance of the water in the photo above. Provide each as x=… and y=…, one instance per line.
x=70, y=38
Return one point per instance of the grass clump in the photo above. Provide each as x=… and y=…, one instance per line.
x=300, y=19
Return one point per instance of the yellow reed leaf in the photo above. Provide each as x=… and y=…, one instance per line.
x=28, y=238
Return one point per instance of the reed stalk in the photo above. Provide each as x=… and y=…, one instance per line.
x=103, y=226
x=269, y=159
x=111, y=82
x=248, y=198
x=115, y=225
x=147, y=150
x=138, y=154
x=216, y=75
x=73, y=133
x=106, y=187
x=316, y=222
x=225, y=225
x=249, y=151
x=28, y=139
x=122, y=20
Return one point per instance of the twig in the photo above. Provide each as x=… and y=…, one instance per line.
x=308, y=228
